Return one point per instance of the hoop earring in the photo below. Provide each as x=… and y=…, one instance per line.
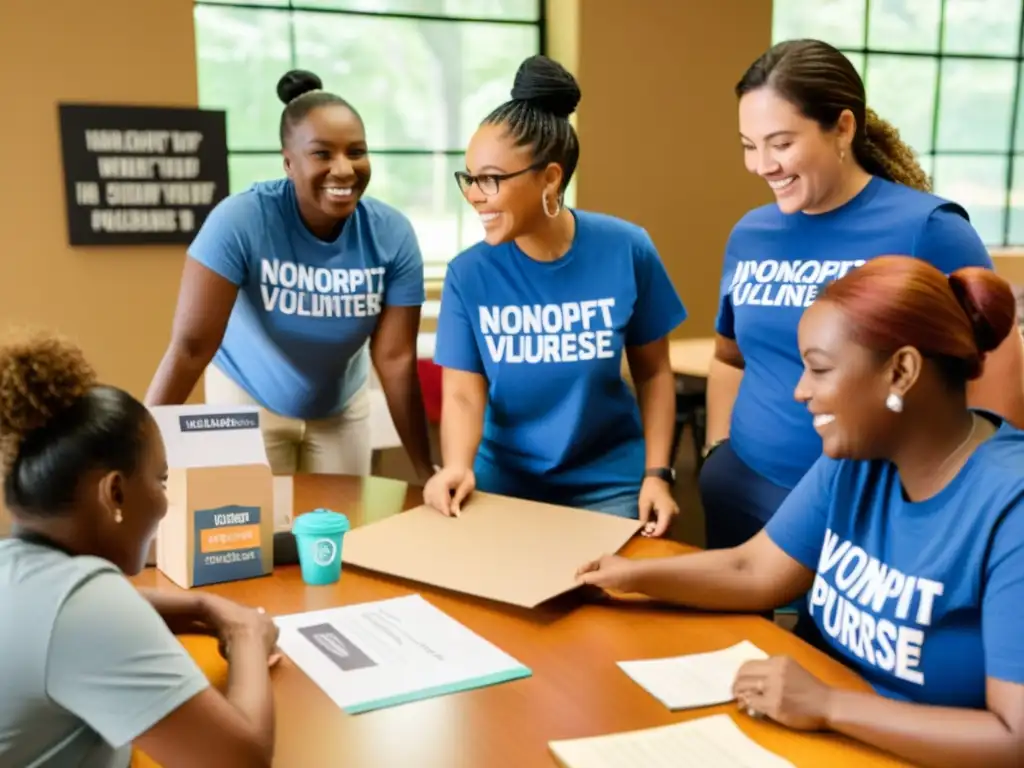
x=544, y=203
x=894, y=403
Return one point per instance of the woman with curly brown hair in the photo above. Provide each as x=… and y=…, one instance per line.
x=90, y=665
x=847, y=190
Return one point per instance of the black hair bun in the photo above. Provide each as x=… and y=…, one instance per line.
x=547, y=85
x=295, y=83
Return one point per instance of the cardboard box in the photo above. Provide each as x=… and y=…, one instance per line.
x=220, y=518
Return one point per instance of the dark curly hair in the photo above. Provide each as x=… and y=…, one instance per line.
x=56, y=423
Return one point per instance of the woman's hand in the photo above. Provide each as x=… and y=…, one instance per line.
x=448, y=488
x=610, y=572
x=657, y=507
x=231, y=621
x=781, y=689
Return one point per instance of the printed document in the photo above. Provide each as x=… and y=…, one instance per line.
x=710, y=742
x=696, y=680
x=373, y=655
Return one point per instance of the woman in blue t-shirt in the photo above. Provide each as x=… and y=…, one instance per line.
x=908, y=533
x=534, y=321
x=294, y=287
x=847, y=190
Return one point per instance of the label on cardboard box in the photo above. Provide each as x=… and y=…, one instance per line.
x=227, y=545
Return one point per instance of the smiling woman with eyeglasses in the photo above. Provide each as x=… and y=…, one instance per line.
x=534, y=321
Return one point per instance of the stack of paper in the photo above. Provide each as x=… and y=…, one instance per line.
x=696, y=680
x=711, y=742
x=373, y=655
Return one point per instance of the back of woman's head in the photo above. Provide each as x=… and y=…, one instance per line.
x=56, y=424
x=544, y=95
x=893, y=302
x=822, y=83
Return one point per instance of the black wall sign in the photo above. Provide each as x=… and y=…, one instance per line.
x=141, y=175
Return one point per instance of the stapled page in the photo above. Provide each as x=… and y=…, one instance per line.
x=695, y=680
x=710, y=742
x=198, y=436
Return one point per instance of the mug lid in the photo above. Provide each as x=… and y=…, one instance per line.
x=320, y=521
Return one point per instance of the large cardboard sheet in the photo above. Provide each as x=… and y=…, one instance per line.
x=500, y=548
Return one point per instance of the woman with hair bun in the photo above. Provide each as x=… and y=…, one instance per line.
x=908, y=532
x=89, y=665
x=294, y=287
x=534, y=321
x=847, y=189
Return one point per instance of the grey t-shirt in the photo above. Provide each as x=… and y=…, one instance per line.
x=86, y=664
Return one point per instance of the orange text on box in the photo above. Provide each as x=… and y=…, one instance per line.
x=231, y=537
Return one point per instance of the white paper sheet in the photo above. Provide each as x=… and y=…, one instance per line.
x=696, y=680
x=710, y=742
x=379, y=654
x=210, y=435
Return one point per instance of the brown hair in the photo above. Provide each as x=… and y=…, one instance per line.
x=56, y=423
x=822, y=83
x=897, y=301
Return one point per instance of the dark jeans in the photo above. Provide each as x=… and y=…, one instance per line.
x=737, y=503
x=737, y=500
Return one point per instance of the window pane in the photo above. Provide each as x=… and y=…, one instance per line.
x=245, y=169
x=904, y=25
x=978, y=183
x=975, y=105
x=857, y=59
x=1017, y=203
x=839, y=22
x=424, y=189
x=417, y=84
x=241, y=54
x=269, y=3
x=525, y=10
x=982, y=26
x=1019, y=133
x=901, y=89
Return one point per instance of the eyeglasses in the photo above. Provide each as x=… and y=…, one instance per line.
x=489, y=183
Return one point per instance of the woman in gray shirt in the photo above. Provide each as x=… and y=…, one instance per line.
x=89, y=665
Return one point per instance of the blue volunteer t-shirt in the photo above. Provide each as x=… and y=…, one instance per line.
x=296, y=339
x=561, y=423
x=775, y=265
x=922, y=599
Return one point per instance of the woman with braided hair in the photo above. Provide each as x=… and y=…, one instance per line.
x=534, y=322
x=89, y=665
x=847, y=190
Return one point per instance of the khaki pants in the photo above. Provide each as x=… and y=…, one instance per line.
x=337, y=445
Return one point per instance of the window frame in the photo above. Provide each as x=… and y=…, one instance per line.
x=1013, y=152
x=291, y=8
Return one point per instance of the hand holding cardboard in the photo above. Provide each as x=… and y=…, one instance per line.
x=220, y=517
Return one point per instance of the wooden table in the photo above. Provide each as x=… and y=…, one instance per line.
x=572, y=647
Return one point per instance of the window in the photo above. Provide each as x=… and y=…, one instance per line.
x=947, y=74
x=422, y=73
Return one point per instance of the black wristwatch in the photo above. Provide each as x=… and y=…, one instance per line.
x=668, y=474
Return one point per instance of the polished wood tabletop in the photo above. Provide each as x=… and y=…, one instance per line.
x=571, y=645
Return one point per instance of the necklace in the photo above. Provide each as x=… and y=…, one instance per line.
x=964, y=444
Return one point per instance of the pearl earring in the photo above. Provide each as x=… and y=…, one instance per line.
x=894, y=403
x=118, y=517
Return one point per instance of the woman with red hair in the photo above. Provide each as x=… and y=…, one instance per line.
x=907, y=535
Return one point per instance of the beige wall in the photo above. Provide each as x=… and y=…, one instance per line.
x=657, y=126
x=117, y=303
